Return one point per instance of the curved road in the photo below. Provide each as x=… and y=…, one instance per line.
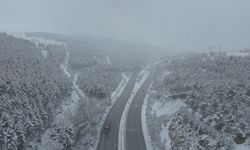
x=134, y=135
x=109, y=141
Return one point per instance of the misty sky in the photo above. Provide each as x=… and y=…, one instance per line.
x=168, y=23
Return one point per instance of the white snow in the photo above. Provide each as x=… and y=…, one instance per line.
x=244, y=146
x=105, y=60
x=68, y=109
x=80, y=93
x=76, y=87
x=241, y=147
x=164, y=108
x=144, y=123
x=119, y=89
x=164, y=135
x=47, y=143
x=114, y=97
x=98, y=60
x=36, y=40
x=44, y=41
x=21, y=35
x=211, y=57
x=232, y=53
x=165, y=73
x=108, y=60
x=157, y=62
x=64, y=65
x=70, y=106
x=235, y=53
x=143, y=75
x=167, y=108
x=45, y=53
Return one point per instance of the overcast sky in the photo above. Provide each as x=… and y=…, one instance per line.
x=170, y=23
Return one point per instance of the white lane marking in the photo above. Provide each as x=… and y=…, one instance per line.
x=119, y=90
x=143, y=120
x=143, y=75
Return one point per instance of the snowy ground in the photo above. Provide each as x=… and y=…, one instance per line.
x=211, y=57
x=160, y=109
x=105, y=60
x=45, y=53
x=76, y=87
x=36, y=41
x=142, y=76
x=143, y=120
x=244, y=146
x=108, y=60
x=64, y=65
x=63, y=117
x=165, y=73
x=232, y=53
x=156, y=116
x=70, y=106
x=237, y=53
x=164, y=135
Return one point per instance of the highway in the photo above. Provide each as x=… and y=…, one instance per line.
x=134, y=135
x=109, y=141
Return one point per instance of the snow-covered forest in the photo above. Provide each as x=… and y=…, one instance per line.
x=31, y=88
x=124, y=75
x=210, y=92
x=55, y=94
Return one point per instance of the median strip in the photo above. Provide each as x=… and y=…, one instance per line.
x=142, y=76
x=114, y=97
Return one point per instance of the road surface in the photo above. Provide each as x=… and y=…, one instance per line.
x=134, y=135
x=109, y=141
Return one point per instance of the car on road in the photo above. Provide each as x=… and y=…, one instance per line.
x=107, y=126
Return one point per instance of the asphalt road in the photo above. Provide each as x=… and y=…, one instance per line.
x=134, y=135
x=109, y=141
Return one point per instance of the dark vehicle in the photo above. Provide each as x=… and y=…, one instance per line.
x=107, y=127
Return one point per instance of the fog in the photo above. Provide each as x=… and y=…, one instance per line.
x=192, y=24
